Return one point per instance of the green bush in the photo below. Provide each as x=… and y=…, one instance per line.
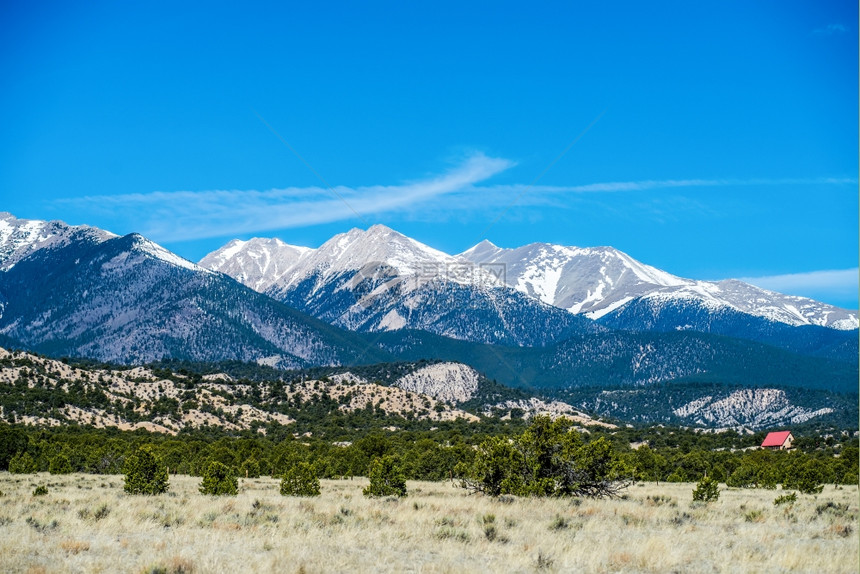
x=706, y=490
x=744, y=476
x=808, y=479
x=790, y=498
x=144, y=473
x=218, y=480
x=300, y=480
x=22, y=463
x=60, y=464
x=548, y=459
x=386, y=478
x=41, y=490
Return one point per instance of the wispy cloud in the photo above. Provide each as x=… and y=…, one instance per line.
x=831, y=29
x=645, y=185
x=186, y=215
x=189, y=215
x=831, y=284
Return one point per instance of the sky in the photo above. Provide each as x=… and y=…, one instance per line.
x=709, y=139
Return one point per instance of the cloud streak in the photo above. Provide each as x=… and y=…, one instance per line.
x=191, y=215
x=187, y=215
x=830, y=30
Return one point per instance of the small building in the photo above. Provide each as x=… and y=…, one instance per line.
x=778, y=440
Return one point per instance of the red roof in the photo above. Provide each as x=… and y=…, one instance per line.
x=775, y=438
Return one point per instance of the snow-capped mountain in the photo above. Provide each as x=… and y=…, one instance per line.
x=600, y=280
x=258, y=263
x=85, y=292
x=379, y=280
x=22, y=237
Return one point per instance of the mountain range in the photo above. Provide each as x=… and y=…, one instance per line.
x=381, y=280
x=548, y=318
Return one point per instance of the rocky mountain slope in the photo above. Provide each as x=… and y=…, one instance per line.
x=623, y=359
x=81, y=292
x=37, y=390
x=717, y=406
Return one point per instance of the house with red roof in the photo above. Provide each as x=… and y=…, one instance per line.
x=778, y=440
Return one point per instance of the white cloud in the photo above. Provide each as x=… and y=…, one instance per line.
x=645, y=185
x=185, y=215
x=189, y=215
x=831, y=29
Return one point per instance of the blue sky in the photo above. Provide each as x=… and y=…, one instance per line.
x=710, y=139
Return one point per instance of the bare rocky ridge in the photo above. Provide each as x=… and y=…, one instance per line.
x=215, y=401
x=451, y=382
x=536, y=407
x=755, y=408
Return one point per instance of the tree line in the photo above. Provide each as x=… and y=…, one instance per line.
x=454, y=450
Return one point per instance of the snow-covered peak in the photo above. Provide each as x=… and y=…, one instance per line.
x=483, y=251
x=595, y=281
x=379, y=245
x=21, y=237
x=591, y=281
x=155, y=250
x=258, y=262
x=578, y=279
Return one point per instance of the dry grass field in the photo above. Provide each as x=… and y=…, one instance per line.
x=87, y=524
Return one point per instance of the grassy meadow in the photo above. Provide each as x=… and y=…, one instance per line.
x=86, y=523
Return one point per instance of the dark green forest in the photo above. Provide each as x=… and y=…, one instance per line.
x=662, y=454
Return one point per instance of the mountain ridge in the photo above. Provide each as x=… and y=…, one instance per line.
x=593, y=281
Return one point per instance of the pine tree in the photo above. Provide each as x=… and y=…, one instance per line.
x=300, y=480
x=386, y=478
x=144, y=473
x=219, y=480
x=22, y=463
x=706, y=490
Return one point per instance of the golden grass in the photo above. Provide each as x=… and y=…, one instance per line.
x=87, y=524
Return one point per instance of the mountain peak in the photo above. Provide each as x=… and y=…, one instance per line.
x=21, y=237
x=481, y=252
x=153, y=249
x=258, y=262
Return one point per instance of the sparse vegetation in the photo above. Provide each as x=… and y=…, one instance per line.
x=261, y=531
x=789, y=498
